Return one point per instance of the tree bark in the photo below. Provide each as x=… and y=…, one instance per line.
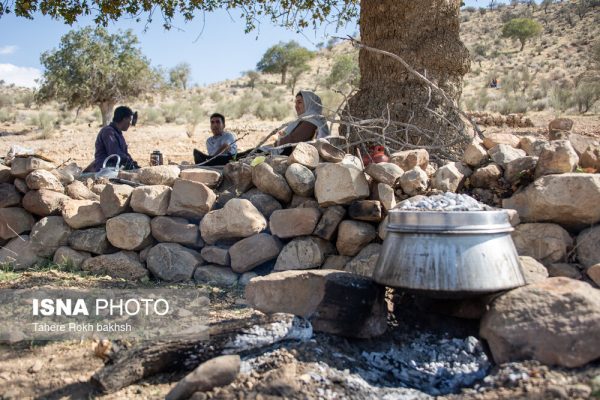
x=106, y=109
x=426, y=35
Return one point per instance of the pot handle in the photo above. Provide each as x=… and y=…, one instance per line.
x=117, y=165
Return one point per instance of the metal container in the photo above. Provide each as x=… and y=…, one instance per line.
x=156, y=158
x=449, y=254
x=109, y=172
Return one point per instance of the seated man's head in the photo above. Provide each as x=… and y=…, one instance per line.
x=122, y=117
x=217, y=124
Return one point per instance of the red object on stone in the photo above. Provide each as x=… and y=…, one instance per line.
x=376, y=155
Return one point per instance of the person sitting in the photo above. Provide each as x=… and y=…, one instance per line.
x=310, y=123
x=221, y=145
x=110, y=140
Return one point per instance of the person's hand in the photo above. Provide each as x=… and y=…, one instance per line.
x=281, y=133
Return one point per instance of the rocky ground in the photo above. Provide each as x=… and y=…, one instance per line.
x=422, y=355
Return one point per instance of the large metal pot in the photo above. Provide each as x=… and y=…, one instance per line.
x=449, y=254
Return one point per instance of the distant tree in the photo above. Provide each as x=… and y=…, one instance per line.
x=179, y=75
x=345, y=71
x=522, y=29
x=252, y=78
x=295, y=72
x=586, y=94
x=94, y=68
x=281, y=57
x=546, y=4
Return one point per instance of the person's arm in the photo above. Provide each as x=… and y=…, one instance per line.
x=112, y=146
x=304, y=132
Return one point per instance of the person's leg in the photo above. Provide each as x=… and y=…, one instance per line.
x=200, y=157
x=219, y=160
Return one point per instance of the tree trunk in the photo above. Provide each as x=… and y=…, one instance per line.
x=426, y=35
x=106, y=109
x=283, y=74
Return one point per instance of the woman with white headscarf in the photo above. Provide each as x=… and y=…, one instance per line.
x=310, y=123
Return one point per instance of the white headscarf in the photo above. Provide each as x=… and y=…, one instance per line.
x=313, y=113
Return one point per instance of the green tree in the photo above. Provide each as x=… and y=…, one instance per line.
x=280, y=58
x=522, y=29
x=344, y=72
x=295, y=72
x=179, y=75
x=94, y=68
x=252, y=78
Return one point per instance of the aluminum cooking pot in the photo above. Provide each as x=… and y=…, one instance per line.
x=109, y=172
x=449, y=253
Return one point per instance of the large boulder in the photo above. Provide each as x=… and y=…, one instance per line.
x=238, y=219
x=387, y=173
x=20, y=167
x=115, y=199
x=5, y=175
x=301, y=179
x=9, y=195
x=590, y=158
x=263, y=202
x=475, y=154
x=588, y=246
x=190, y=199
x=215, y=275
x=408, y=159
x=19, y=253
x=14, y=221
x=294, y=222
x=48, y=234
x=44, y=202
x=533, y=270
x=73, y=258
x=151, y=200
x=175, y=230
x=171, y=262
x=218, y=255
x=502, y=154
x=328, y=224
x=340, y=184
x=42, y=179
x=566, y=270
x=129, y=231
x=492, y=139
x=569, y=200
x=303, y=253
x=593, y=273
x=78, y=191
x=555, y=321
x=516, y=169
x=545, y=242
x=83, y=213
x=270, y=182
x=365, y=261
x=158, y=175
x=385, y=195
x=581, y=142
x=209, y=177
x=329, y=152
x=335, y=302
x=558, y=157
x=253, y=251
x=353, y=236
x=365, y=210
x=92, y=240
x=304, y=154
x=486, y=177
x=448, y=178
x=558, y=126
x=238, y=176
x=533, y=147
x=123, y=265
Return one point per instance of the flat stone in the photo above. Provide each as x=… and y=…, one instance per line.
x=20, y=185
x=336, y=262
x=533, y=147
x=171, y=262
x=340, y=184
x=253, y=251
x=238, y=219
x=334, y=301
x=301, y=179
x=19, y=253
x=278, y=163
x=210, y=178
x=272, y=183
x=365, y=210
x=115, y=199
x=9, y=195
x=80, y=214
x=502, y=154
x=217, y=255
x=533, y=270
x=353, y=236
x=558, y=157
x=5, y=175
x=387, y=173
x=565, y=270
x=303, y=253
x=545, y=242
x=486, y=177
x=176, y=230
x=215, y=275
x=238, y=176
x=263, y=202
x=122, y=265
x=493, y=139
x=66, y=255
x=304, y=154
x=556, y=321
x=521, y=167
x=44, y=202
x=581, y=143
x=78, y=191
x=365, y=261
x=328, y=224
x=190, y=199
x=20, y=167
x=559, y=124
x=219, y=371
x=245, y=278
x=42, y=179
x=158, y=175
x=408, y=159
x=14, y=221
x=92, y=240
x=329, y=152
x=587, y=247
x=294, y=222
x=48, y=234
x=590, y=158
x=151, y=200
x=129, y=231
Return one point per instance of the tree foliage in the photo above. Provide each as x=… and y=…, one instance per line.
x=252, y=78
x=179, y=75
x=344, y=72
x=92, y=67
x=522, y=29
x=296, y=14
x=282, y=57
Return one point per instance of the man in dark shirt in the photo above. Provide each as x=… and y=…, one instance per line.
x=110, y=140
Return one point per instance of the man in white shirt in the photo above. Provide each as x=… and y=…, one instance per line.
x=221, y=144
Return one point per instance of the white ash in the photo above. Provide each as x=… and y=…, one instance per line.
x=443, y=202
x=434, y=366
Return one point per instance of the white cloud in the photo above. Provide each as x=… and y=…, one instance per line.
x=6, y=50
x=20, y=76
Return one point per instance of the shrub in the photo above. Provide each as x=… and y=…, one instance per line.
x=171, y=112
x=585, y=95
x=7, y=116
x=216, y=96
x=539, y=105
x=482, y=99
x=151, y=116
x=46, y=123
x=5, y=100
x=560, y=98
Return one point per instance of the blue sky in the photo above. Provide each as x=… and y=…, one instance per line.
x=216, y=46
